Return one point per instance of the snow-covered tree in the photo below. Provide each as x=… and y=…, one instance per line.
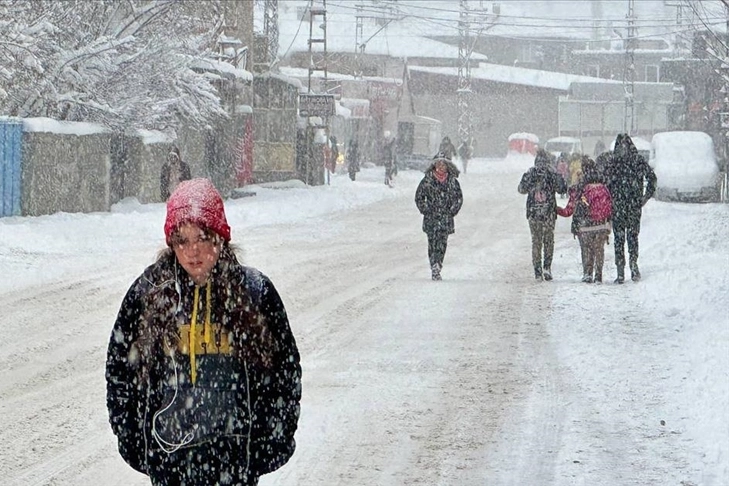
x=122, y=63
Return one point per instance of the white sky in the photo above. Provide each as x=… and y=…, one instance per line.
x=485, y=378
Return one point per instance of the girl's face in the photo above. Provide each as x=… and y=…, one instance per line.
x=440, y=166
x=197, y=250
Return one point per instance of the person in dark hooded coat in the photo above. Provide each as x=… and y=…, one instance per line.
x=174, y=170
x=439, y=199
x=203, y=381
x=631, y=183
x=541, y=183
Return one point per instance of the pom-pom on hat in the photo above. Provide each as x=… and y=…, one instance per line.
x=196, y=201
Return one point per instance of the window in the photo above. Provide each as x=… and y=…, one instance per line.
x=651, y=73
x=593, y=70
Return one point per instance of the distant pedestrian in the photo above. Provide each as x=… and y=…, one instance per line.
x=447, y=148
x=590, y=206
x=439, y=199
x=389, y=157
x=465, y=151
x=632, y=183
x=599, y=148
x=540, y=183
x=174, y=170
x=575, y=166
x=353, y=159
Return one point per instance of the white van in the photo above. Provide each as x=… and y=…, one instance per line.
x=686, y=167
x=557, y=145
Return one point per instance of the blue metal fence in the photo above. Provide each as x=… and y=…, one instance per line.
x=11, y=133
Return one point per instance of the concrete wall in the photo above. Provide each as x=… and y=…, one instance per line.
x=65, y=172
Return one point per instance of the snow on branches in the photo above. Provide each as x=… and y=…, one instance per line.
x=123, y=64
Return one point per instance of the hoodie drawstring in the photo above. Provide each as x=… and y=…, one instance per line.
x=193, y=327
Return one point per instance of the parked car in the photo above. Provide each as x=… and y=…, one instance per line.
x=643, y=146
x=569, y=145
x=686, y=167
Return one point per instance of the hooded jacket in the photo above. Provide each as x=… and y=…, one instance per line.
x=437, y=201
x=230, y=392
x=167, y=174
x=627, y=172
x=540, y=183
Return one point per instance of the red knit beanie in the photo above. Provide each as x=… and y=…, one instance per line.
x=196, y=201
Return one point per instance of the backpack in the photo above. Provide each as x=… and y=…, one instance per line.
x=598, y=202
x=540, y=200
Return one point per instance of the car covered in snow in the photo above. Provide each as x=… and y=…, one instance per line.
x=641, y=144
x=569, y=145
x=686, y=166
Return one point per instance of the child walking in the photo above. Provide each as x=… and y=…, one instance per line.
x=590, y=206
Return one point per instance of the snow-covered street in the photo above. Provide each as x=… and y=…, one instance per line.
x=486, y=378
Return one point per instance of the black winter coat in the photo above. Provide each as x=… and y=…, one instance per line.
x=240, y=415
x=439, y=202
x=165, y=175
x=626, y=177
x=548, y=182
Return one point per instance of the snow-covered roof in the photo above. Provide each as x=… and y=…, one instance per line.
x=150, y=137
x=301, y=73
x=62, y=127
x=223, y=68
x=523, y=136
x=401, y=38
x=516, y=75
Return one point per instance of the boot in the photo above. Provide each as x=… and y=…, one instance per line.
x=435, y=272
x=538, y=273
x=634, y=272
x=598, y=276
x=587, y=278
x=547, y=273
x=621, y=275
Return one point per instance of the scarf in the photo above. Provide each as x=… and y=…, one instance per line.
x=440, y=176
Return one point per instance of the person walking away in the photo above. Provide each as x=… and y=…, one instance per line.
x=563, y=167
x=631, y=183
x=575, y=163
x=388, y=157
x=203, y=376
x=353, y=159
x=447, y=148
x=174, y=170
x=464, y=153
x=439, y=199
x=590, y=206
x=540, y=183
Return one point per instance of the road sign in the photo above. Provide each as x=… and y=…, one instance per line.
x=316, y=105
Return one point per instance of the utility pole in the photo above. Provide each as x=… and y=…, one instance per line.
x=317, y=63
x=270, y=31
x=464, y=75
x=629, y=73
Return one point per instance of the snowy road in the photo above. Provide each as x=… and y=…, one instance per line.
x=485, y=378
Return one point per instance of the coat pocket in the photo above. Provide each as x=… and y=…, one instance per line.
x=197, y=415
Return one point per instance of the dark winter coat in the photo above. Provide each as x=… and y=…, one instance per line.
x=353, y=157
x=540, y=183
x=439, y=202
x=627, y=172
x=447, y=148
x=248, y=377
x=166, y=175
